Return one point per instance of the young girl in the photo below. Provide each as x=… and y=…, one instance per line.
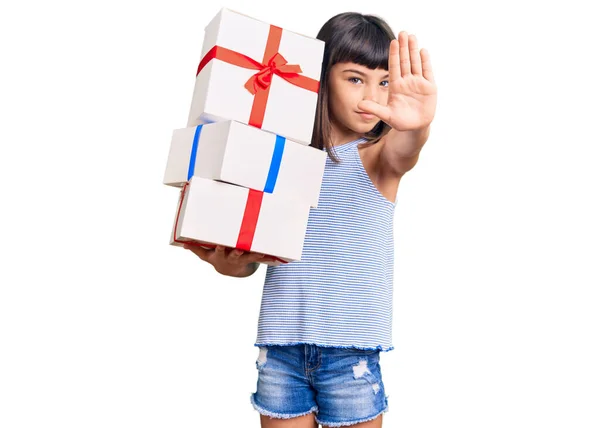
x=324, y=320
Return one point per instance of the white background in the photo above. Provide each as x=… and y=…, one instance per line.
x=103, y=324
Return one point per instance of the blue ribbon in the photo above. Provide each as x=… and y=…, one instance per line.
x=273, y=170
x=275, y=164
x=194, y=151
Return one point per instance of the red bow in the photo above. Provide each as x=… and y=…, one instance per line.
x=276, y=65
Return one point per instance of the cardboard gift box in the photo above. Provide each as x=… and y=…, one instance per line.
x=240, y=154
x=257, y=74
x=213, y=213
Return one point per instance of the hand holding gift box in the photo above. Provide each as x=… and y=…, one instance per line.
x=230, y=262
x=257, y=74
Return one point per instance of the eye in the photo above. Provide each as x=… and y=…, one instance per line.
x=385, y=83
x=353, y=79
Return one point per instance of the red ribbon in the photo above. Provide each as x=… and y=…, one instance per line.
x=250, y=219
x=247, y=229
x=260, y=83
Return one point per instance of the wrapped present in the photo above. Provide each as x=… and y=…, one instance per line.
x=213, y=213
x=240, y=154
x=257, y=74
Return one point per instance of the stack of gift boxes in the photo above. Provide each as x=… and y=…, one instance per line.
x=247, y=172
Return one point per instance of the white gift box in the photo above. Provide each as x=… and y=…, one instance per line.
x=215, y=213
x=240, y=154
x=245, y=47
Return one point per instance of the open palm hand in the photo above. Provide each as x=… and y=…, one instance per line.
x=412, y=94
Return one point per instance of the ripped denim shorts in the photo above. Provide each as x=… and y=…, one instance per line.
x=343, y=386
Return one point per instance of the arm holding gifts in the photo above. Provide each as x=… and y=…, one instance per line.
x=233, y=263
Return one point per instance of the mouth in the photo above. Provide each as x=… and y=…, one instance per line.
x=366, y=116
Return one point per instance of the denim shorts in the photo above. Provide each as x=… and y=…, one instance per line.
x=342, y=385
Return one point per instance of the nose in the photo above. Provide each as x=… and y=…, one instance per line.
x=370, y=92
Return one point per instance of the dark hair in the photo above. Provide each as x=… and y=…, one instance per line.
x=349, y=37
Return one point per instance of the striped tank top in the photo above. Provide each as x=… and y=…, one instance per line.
x=340, y=293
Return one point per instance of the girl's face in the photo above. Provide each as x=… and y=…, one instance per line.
x=350, y=83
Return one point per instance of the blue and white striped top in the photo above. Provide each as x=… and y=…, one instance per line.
x=340, y=293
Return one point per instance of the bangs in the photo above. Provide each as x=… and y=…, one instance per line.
x=365, y=44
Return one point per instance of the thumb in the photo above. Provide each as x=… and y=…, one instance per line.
x=368, y=106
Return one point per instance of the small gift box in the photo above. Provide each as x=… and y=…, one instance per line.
x=240, y=154
x=257, y=74
x=213, y=213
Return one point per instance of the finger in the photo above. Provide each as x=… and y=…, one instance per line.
x=415, y=58
x=394, y=61
x=404, y=53
x=427, y=69
x=234, y=255
x=203, y=253
x=382, y=112
x=218, y=253
x=252, y=257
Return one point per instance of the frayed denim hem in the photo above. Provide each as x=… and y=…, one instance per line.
x=348, y=423
x=378, y=348
x=278, y=415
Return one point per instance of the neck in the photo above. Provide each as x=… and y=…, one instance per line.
x=342, y=135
